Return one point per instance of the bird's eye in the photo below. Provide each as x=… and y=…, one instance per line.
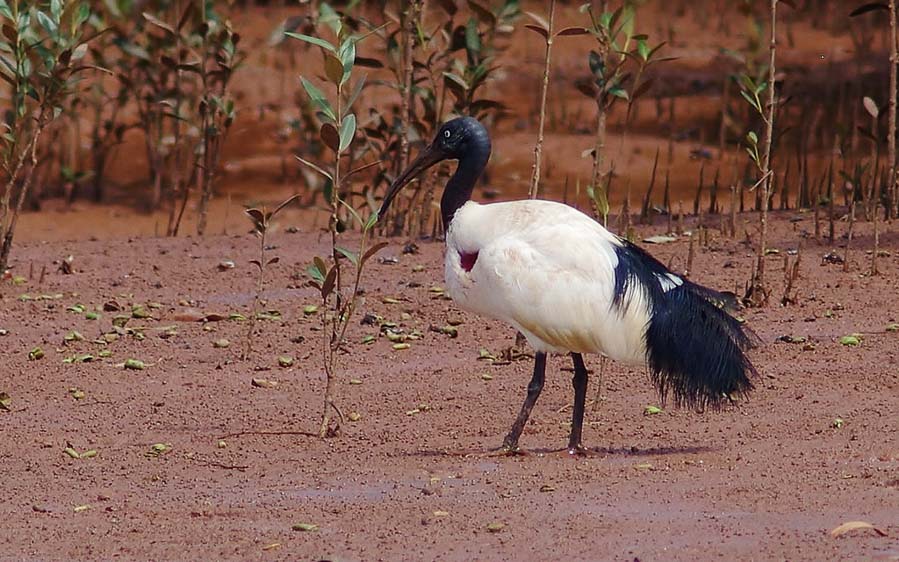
x=446, y=133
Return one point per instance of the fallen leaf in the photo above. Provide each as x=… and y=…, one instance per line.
x=855, y=525
x=354, y=416
x=850, y=340
x=221, y=343
x=285, y=361
x=134, y=364
x=651, y=410
x=496, y=527
x=305, y=527
x=263, y=383
x=659, y=239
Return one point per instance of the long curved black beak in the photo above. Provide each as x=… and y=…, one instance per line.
x=426, y=158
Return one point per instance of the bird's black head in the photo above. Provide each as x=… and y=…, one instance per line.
x=463, y=139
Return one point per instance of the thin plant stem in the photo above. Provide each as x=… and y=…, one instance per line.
x=538, y=147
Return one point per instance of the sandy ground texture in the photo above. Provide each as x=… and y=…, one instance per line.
x=192, y=461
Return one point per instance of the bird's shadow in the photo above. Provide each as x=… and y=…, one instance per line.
x=592, y=452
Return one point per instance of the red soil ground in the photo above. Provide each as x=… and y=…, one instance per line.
x=414, y=478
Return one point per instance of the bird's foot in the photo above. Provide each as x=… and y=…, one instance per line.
x=579, y=451
x=507, y=450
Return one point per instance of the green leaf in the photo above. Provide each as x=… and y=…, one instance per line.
x=752, y=137
x=318, y=98
x=347, y=131
x=47, y=23
x=350, y=255
x=313, y=40
x=347, y=54
x=751, y=100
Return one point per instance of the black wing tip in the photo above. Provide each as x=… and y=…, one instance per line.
x=697, y=352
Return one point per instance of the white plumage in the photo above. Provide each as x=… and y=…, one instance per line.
x=570, y=286
x=548, y=270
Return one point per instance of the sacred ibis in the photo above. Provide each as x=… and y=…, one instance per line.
x=571, y=286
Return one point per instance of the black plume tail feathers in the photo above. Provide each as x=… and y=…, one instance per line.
x=696, y=351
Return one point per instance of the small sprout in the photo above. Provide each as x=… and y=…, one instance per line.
x=221, y=343
x=851, y=340
x=73, y=336
x=838, y=423
x=285, y=361
x=495, y=527
x=487, y=376
x=5, y=401
x=305, y=527
x=76, y=393
x=89, y=454
x=368, y=339
x=401, y=346
x=71, y=452
x=91, y=315
x=355, y=381
x=134, y=364
x=651, y=410
x=36, y=354
x=77, y=308
x=310, y=309
x=354, y=416
x=237, y=317
x=221, y=444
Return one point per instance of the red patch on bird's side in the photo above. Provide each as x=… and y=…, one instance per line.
x=468, y=260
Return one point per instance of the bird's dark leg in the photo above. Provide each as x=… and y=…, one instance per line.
x=510, y=443
x=580, y=397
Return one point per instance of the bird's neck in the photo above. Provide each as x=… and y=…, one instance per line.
x=461, y=184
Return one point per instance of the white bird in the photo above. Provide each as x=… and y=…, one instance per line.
x=571, y=286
